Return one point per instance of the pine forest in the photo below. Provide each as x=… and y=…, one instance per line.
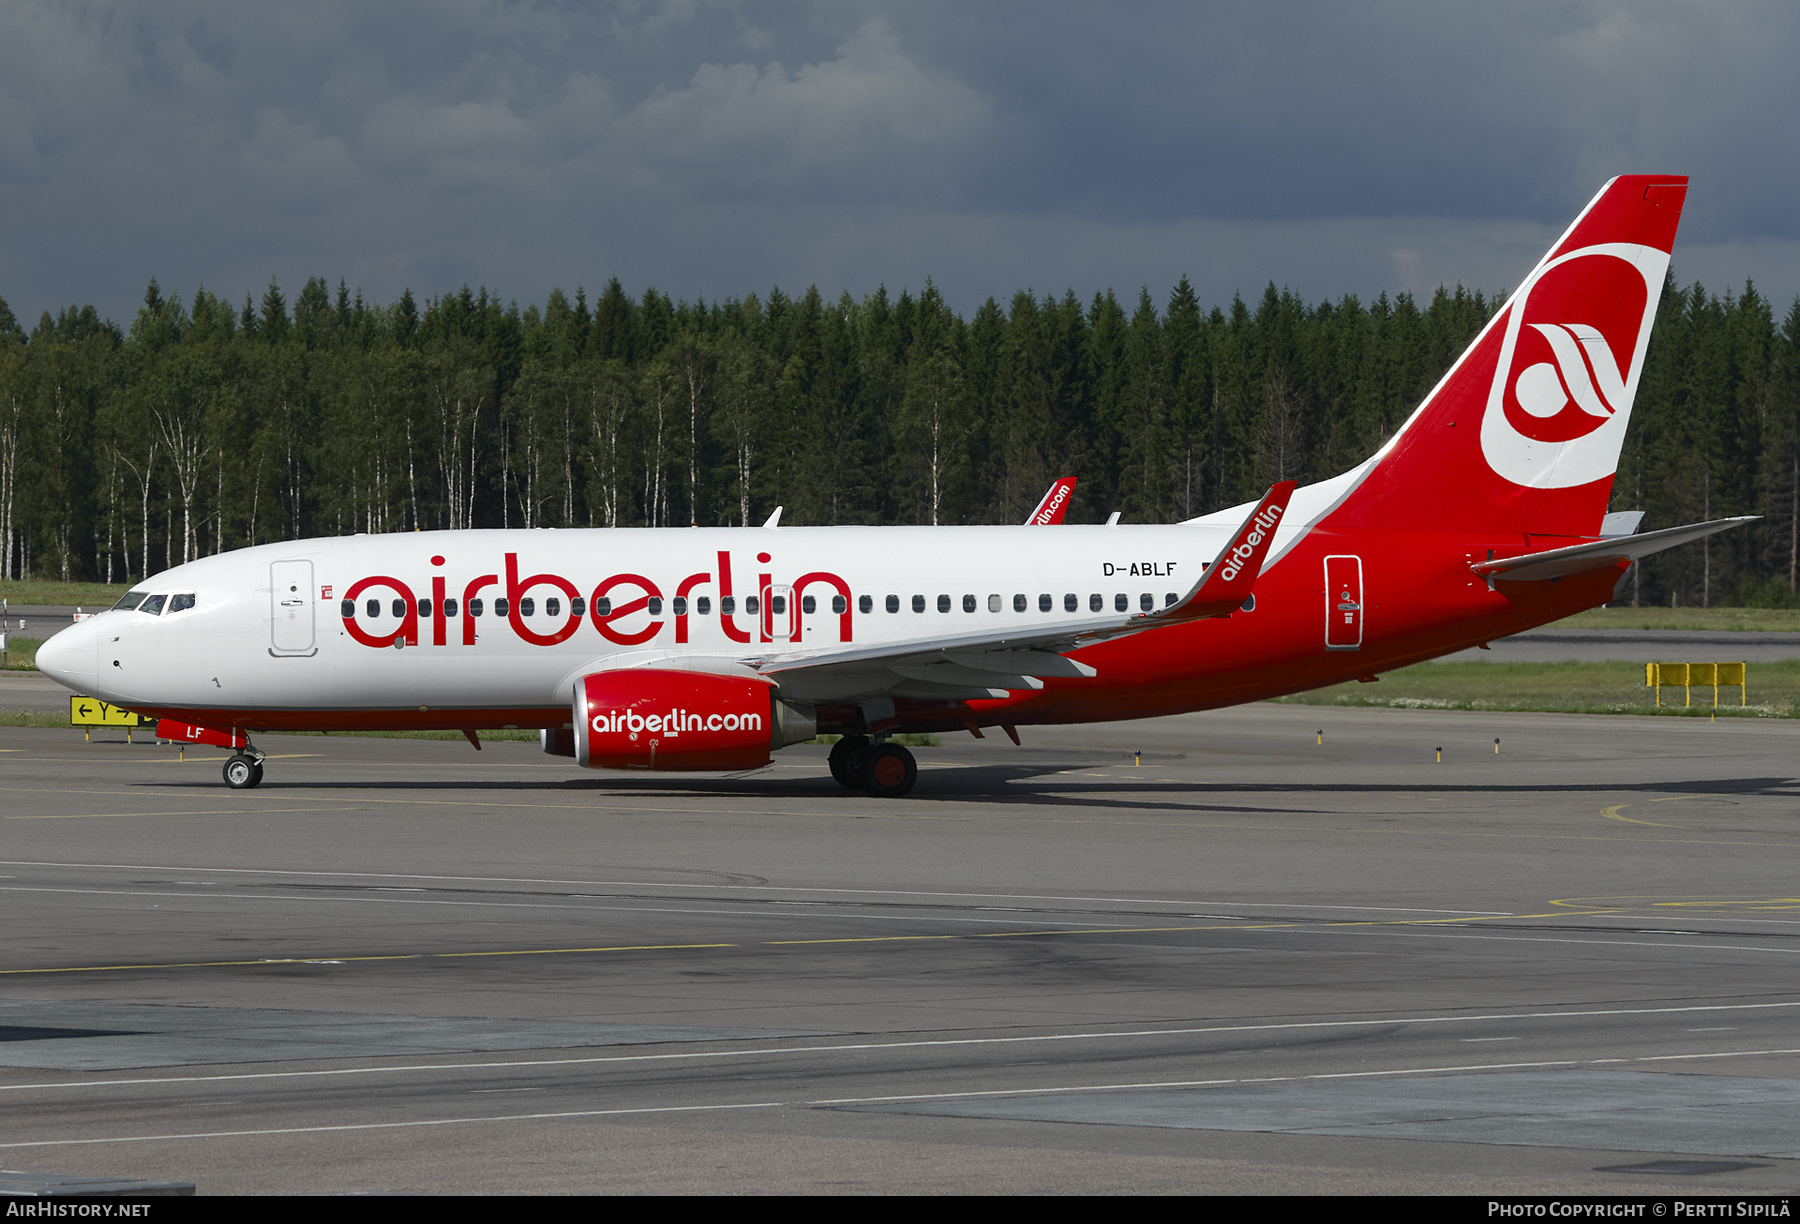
x=205, y=426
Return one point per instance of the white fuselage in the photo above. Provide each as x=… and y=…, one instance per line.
x=268, y=630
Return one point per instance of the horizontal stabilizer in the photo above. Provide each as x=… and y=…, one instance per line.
x=1578, y=558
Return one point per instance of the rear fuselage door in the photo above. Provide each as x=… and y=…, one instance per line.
x=291, y=608
x=1343, y=603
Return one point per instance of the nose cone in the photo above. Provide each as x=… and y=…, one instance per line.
x=70, y=657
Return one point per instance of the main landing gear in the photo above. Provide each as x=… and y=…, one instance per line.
x=243, y=770
x=847, y=760
x=886, y=771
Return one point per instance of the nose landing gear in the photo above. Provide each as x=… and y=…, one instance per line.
x=243, y=770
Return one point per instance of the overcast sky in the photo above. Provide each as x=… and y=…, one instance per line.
x=717, y=149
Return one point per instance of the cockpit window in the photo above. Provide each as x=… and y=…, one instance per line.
x=181, y=603
x=128, y=601
x=153, y=605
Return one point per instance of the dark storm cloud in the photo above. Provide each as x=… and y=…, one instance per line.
x=716, y=149
x=1307, y=111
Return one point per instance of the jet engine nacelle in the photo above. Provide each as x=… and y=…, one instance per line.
x=656, y=718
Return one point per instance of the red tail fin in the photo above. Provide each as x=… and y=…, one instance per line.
x=1523, y=434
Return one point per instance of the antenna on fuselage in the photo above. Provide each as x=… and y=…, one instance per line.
x=774, y=520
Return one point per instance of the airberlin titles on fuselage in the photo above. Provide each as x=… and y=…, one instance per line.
x=615, y=599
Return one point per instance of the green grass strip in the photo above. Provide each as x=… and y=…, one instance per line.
x=89, y=596
x=21, y=653
x=1561, y=688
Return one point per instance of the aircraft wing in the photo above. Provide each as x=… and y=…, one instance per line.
x=1557, y=562
x=992, y=664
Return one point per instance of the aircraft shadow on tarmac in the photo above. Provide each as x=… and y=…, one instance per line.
x=1014, y=783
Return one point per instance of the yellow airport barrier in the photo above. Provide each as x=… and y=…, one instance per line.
x=91, y=712
x=1688, y=676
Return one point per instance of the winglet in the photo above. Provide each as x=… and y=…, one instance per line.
x=1050, y=511
x=1225, y=584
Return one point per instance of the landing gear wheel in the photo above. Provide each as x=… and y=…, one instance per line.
x=242, y=772
x=847, y=760
x=889, y=771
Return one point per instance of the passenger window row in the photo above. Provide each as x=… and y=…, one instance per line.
x=1121, y=602
x=478, y=607
x=154, y=605
x=1071, y=602
x=702, y=605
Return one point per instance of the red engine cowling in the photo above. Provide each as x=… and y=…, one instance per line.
x=651, y=718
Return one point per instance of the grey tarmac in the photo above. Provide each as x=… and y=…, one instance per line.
x=1196, y=954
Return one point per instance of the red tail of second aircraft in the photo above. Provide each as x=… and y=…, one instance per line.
x=1050, y=511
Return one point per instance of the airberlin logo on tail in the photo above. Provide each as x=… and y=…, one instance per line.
x=1259, y=526
x=1573, y=347
x=1545, y=390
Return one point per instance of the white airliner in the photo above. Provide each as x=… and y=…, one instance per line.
x=708, y=648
